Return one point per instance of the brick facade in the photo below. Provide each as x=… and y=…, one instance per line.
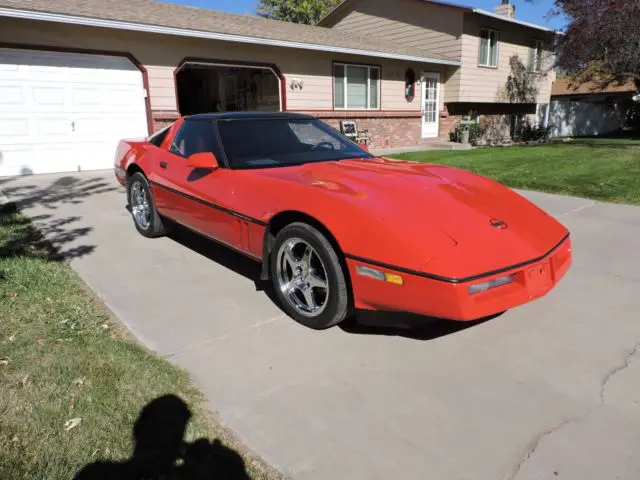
x=385, y=129
x=163, y=119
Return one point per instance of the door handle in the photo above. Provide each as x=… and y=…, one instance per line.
x=163, y=164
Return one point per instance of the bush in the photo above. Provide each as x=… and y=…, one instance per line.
x=475, y=133
x=534, y=133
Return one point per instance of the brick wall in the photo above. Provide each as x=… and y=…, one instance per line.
x=163, y=119
x=386, y=129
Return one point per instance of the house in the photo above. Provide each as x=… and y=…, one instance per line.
x=481, y=41
x=589, y=108
x=78, y=75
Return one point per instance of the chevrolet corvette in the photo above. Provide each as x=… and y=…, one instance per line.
x=337, y=229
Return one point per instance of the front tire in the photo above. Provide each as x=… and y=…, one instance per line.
x=143, y=210
x=308, y=277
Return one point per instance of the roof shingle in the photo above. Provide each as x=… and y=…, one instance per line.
x=148, y=12
x=569, y=86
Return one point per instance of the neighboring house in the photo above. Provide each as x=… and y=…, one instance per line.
x=583, y=109
x=77, y=75
x=482, y=41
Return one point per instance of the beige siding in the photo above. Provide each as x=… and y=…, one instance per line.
x=160, y=55
x=483, y=84
x=162, y=88
x=406, y=22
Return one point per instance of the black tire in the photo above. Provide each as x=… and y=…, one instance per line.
x=338, y=298
x=157, y=225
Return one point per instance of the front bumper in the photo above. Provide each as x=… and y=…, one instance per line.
x=450, y=300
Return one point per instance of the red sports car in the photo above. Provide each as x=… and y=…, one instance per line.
x=338, y=229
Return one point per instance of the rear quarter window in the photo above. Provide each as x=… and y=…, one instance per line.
x=158, y=137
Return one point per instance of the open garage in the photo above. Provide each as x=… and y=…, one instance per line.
x=204, y=87
x=62, y=111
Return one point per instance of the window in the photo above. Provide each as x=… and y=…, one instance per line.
x=195, y=136
x=158, y=137
x=535, y=59
x=356, y=87
x=283, y=142
x=488, y=48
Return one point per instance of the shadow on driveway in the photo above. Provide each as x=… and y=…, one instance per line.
x=400, y=324
x=160, y=451
x=60, y=232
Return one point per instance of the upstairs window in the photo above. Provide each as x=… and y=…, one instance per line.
x=535, y=59
x=356, y=87
x=488, y=48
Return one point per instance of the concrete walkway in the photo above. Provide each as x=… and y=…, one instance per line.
x=444, y=146
x=549, y=390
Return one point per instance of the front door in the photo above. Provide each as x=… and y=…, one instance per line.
x=430, y=102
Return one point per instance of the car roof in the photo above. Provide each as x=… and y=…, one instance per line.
x=247, y=116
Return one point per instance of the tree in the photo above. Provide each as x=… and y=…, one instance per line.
x=522, y=84
x=296, y=11
x=602, y=40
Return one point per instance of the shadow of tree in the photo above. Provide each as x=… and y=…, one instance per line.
x=21, y=238
x=160, y=451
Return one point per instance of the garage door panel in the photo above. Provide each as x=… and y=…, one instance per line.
x=61, y=112
x=120, y=99
x=85, y=97
x=60, y=128
x=11, y=95
x=15, y=156
x=14, y=130
x=49, y=97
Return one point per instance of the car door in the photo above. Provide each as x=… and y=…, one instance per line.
x=201, y=199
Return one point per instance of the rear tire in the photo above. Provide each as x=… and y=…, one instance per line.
x=143, y=210
x=308, y=278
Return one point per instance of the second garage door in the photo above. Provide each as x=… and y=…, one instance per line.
x=62, y=112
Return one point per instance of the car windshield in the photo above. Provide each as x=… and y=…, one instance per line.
x=280, y=142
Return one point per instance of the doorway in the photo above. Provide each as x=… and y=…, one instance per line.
x=213, y=87
x=429, y=105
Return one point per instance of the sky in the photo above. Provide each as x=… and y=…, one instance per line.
x=532, y=11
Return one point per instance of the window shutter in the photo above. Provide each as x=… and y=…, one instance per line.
x=338, y=86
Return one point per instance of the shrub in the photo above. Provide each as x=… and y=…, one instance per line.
x=534, y=133
x=475, y=132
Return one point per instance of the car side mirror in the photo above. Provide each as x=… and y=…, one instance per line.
x=363, y=146
x=205, y=160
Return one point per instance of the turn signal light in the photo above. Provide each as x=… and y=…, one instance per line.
x=379, y=275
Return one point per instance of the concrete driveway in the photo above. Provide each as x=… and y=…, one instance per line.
x=549, y=390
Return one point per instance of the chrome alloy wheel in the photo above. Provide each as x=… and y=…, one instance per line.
x=302, y=277
x=140, y=207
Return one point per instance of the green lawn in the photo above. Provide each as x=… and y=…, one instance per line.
x=606, y=169
x=64, y=359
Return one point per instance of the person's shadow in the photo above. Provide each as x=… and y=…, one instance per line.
x=160, y=452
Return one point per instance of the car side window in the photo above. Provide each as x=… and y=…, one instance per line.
x=158, y=137
x=195, y=136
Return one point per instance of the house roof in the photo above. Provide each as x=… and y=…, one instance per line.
x=164, y=18
x=479, y=11
x=569, y=86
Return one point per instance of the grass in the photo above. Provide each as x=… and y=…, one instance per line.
x=64, y=357
x=606, y=169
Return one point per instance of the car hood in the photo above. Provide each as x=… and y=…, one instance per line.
x=434, y=210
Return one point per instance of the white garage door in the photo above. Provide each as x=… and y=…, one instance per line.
x=62, y=112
